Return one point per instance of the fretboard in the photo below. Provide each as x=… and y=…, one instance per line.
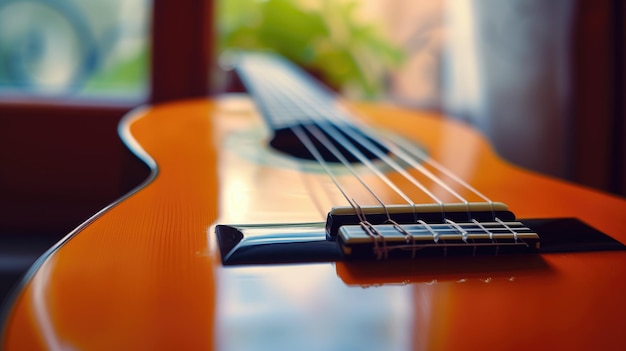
x=284, y=94
x=294, y=104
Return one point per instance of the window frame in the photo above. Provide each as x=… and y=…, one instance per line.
x=49, y=148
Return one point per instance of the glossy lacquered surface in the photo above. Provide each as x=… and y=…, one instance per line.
x=145, y=273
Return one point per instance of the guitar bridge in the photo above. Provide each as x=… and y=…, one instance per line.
x=308, y=242
x=384, y=241
x=429, y=230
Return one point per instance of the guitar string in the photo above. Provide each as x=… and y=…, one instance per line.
x=370, y=229
x=297, y=130
x=309, y=145
x=278, y=108
x=330, y=108
x=404, y=156
x=352, y=149
x=317, y=133
x=359, y=155
x=323, y=110
x=336, y=135
x=402, y=150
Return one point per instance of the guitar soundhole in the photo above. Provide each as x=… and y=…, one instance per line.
x=361, y=146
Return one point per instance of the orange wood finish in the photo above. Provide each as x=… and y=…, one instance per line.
x=145, y=273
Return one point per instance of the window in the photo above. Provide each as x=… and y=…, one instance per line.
x=74, y=49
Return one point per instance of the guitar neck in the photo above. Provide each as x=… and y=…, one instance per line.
x=305, y=117
x=285, y=95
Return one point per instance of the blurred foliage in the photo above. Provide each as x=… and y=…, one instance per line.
x=326, y=38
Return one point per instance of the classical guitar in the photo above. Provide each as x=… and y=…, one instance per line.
x=301, y=222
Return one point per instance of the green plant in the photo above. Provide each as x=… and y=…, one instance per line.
x=327, y=39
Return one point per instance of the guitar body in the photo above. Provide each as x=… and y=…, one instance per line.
x=146, y=272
